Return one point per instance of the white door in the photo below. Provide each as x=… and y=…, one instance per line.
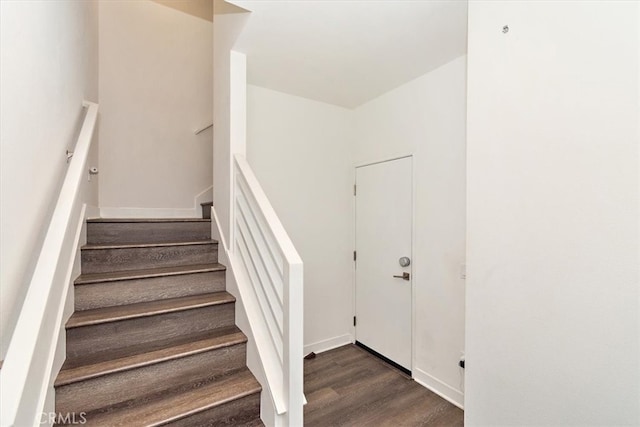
x=383, y=237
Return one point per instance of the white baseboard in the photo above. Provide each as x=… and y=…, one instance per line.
x=438, y=387
x=203, y=197
x=194, y=212
x=328, y=344
x=106, y=212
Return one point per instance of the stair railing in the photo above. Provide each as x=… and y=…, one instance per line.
x=274, y=269
x=28, y=364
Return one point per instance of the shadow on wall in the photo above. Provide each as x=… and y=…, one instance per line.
x=200, y=8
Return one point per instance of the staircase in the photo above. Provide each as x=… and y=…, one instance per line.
x=153, y=339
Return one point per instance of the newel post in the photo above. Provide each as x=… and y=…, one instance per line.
x=293, y=343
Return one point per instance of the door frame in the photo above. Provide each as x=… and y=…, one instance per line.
x=412, y=156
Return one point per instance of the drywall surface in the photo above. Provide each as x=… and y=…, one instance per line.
x=348, y=52
x=426, y=118
x=300, y=150
x=226, y=86
x=552, y=331
x=156, y=66
x=200, y=8
x=47, y=68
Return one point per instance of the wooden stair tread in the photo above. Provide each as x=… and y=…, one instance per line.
x=83, y=360
x=155, y=342
x=143, y=220
x=181, y=404
x=85, y=279
x=147, y=245
x=81, y=369
x=131, y=311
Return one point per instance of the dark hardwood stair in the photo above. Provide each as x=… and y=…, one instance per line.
x=147, y=230
x=80, y=369
x=198, y=405
x=206, y=209
x=135, y=286
x=153, y=339
x=114, y=276
x=133, y=311
x=101, y=258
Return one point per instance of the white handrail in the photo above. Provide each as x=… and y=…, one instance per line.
x=275, y=270
x=19, y=370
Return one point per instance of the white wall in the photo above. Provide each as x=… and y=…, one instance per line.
x=426, y=118
x=300, y=150
x=155, y=83
x=304, y=153
x=226, y=28
x=552, y=331
x=48, y=66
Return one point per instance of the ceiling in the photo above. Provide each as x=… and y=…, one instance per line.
x=347, y=52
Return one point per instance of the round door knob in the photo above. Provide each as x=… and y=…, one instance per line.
x=404, y=261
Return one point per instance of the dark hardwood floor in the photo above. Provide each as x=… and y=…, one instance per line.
x=349, y=387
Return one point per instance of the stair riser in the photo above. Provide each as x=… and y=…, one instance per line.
x=107, y=294
x=137, y=383
x=92, y=339
x=147, y=232
x=124, y=259
x=241, y=412
x=206, y=210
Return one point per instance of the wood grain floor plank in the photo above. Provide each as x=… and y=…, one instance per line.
x=150, y=220
x=242, y=412
x=114, y=276
x=104, y=337
x=147, y=232
x=132, y=245
x=139, y=383
x=113, y=293
x=108, y=258
x=147, y=355
x=133, y=311
x=349, y=387
x=180, y=405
